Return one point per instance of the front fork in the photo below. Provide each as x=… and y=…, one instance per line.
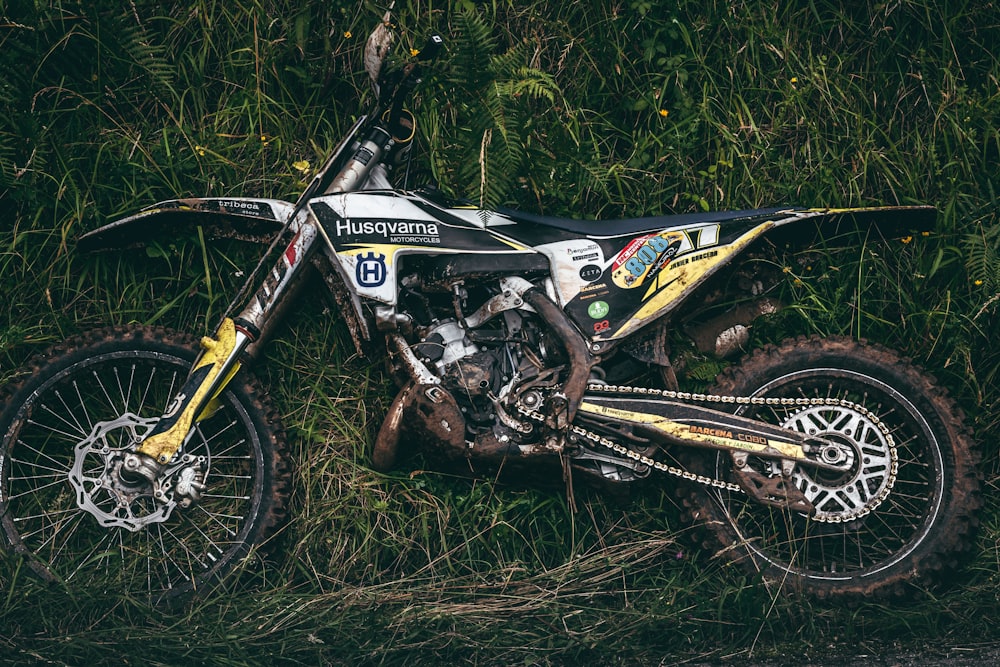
x=216, y=365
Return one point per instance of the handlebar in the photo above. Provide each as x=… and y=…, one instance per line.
x=393, y=93
x=431, y=49
x=390, y=128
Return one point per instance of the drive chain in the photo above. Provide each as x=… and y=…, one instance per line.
x=705, y=480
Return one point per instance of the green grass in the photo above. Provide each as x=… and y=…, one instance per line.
x=589, y=109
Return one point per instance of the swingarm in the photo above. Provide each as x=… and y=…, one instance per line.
x=680, y=423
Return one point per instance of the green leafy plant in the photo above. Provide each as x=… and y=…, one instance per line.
x=982, y=256
x=486, y=111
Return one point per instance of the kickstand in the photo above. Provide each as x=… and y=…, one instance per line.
x=567, y=472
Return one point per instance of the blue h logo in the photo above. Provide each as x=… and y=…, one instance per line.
x=370, y=270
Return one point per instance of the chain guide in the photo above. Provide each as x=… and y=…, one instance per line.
x=712, y=482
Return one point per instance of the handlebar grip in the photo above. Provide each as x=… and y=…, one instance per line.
x=431, y=49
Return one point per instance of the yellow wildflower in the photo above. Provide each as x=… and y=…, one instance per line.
x=664, y=113
x=347, y=34
x=906, y=239
x=977, y=282
x=301, y=165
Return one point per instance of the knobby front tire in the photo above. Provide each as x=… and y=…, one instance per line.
x=64, y=430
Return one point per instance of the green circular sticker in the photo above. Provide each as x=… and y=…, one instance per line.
x=598, y=310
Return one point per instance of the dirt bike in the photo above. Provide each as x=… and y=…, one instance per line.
x=519, y=343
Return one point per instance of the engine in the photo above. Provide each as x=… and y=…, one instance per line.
x=472, y=373
x=481, y=367
x=483, y=345
x=493, y=355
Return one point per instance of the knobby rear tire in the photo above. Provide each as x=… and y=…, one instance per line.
x=64, y=427
x=916, y=535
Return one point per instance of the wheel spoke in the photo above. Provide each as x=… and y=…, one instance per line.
x=80, y=431
x=887, y=496
x=62, y=499
x=104, y=391
x=83, y=407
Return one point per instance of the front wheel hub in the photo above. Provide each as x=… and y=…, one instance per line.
x=138, y=468
x=108, y=487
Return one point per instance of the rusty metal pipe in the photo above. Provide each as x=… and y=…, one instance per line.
x=580, y=359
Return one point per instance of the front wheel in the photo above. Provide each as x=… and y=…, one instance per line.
x=65, y=430
x=904, y=510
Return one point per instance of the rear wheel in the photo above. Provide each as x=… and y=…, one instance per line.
x=904, y=510
x=65, y=430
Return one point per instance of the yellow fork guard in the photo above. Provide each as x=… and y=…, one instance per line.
x=181, y=415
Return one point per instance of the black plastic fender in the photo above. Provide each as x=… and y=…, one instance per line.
x=246, y=219
x=888, y=222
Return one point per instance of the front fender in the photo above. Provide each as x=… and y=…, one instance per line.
x=246, y=219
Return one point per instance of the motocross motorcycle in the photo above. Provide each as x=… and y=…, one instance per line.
x=519, y=343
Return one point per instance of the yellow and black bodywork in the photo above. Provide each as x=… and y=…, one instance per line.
x=611, y=277
x=212, y=371
x=606, y=281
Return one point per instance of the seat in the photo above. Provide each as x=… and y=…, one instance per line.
x=626, y=226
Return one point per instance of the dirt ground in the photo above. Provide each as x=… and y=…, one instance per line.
x=967, y=655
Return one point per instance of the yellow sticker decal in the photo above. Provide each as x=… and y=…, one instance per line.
x=645, y=257
x=670, y=284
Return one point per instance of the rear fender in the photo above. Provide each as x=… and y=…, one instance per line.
x=887, y=222
x=726, y=334
x=246, y=219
